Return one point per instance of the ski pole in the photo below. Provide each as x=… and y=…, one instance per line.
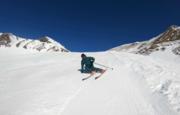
x=103, y=66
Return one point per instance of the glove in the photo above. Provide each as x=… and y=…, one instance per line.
x=82, y=71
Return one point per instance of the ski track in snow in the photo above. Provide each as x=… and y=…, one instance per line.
x=68, y=100
x=49, y=84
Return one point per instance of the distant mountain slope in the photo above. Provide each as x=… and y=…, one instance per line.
x=170, y=40
x=43, y=44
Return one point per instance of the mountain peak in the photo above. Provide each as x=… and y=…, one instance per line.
x=46, y=39
x=171, y=34
x=43, y=44
x=169, y=39
x=6, y=39
x=174, y=27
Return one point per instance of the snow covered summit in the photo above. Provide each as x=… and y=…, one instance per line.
x=167, y=41
x=43, y=44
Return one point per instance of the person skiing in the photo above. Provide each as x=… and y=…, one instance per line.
x=87, y=66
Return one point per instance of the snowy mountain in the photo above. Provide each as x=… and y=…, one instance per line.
x=46, y=83
x=43, y=44
x=167, y=41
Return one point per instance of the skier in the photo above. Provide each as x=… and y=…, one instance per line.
x=87, y=66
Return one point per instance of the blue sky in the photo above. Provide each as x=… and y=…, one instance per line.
x=89, y=25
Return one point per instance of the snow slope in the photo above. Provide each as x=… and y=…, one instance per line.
x=47, y=83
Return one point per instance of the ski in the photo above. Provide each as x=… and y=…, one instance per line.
x=87, y=77
x=93, y=75
x=100, y=75
x=97, y=77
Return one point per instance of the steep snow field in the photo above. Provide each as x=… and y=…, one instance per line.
x=34, y=83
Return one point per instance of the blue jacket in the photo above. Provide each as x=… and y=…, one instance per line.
x=87, y=64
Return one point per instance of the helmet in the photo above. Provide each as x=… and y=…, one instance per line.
x=83, y=55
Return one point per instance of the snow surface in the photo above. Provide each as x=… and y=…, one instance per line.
x=47, y=83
